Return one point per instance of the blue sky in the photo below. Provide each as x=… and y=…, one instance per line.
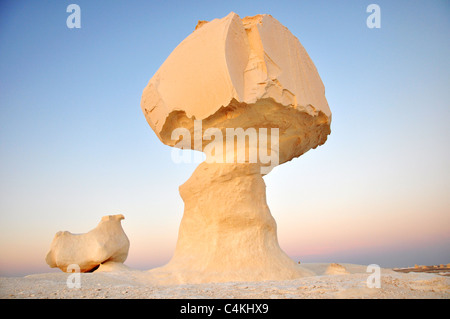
x=74, y=144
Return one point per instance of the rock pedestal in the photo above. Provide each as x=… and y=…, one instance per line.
x=227, y=232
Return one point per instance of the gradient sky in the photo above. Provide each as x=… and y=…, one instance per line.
x=75, y=146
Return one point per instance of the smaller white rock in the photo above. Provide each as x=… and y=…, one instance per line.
x=106, y=242
x=336, y=269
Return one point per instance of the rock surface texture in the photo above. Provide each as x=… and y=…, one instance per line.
x=336, y=269
x=105, y=243
x=233, y=73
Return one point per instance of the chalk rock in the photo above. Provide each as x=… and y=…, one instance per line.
x=240, y=73
x=227, y=232
x=336, y=269
x=112, y=266
x=235, y=75
x=105, y=243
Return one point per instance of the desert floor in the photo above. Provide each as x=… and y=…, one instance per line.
x=130, y=284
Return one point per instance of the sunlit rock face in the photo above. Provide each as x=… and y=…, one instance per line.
x=232, y=72
x=105, y=243
x=252, y=75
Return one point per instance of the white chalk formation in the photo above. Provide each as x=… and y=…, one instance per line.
x=107, y=243
x=235, y=73
x=240, y=73
x=336, y=269
x=227, y=232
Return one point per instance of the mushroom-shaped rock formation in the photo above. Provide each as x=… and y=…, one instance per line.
x=246, y=93
x=105, y=243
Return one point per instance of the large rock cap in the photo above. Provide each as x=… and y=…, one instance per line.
x=233, y=72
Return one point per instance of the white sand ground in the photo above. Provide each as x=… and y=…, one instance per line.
x=127, y=283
